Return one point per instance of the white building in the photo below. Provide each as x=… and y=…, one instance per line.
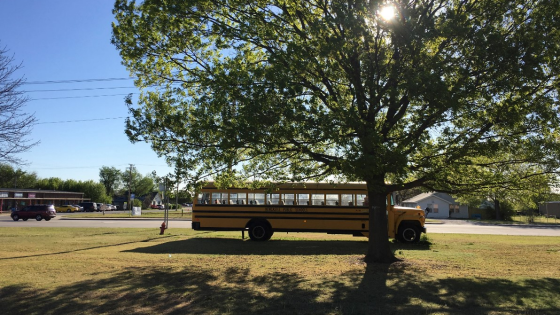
x=441, y=205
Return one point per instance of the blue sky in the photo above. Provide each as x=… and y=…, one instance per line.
x=80, y=128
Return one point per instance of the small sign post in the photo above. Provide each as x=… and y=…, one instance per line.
x=131, y=203
x=163, y=188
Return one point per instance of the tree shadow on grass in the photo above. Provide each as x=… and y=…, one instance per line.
x=225, y=246
x=84, y=249
x=379, y=289
x=400, y=289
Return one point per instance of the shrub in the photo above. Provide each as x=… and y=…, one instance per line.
x=506, y=211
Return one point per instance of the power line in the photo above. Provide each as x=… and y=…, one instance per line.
x=84, y=96
x=71, y=167
x=84, y=89
x=78, y=81
x=71, y=121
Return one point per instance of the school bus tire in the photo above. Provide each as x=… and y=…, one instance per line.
x=260, y=231
x=408, y=233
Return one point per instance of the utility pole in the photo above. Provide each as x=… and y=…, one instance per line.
x=177, y=198
x=166, y=203
x=129, y=189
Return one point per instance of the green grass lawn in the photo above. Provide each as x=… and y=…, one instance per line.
x=137, y=271
x=536, y=220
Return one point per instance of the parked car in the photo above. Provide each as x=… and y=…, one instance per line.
x=39, y=212
x=80, y=208
x=161, y=207
x=154, y=207
x=89, y=206
x=113, y=207
x=66, y=208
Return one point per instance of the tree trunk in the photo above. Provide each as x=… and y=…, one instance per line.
x=378, y=244
x=497, y=207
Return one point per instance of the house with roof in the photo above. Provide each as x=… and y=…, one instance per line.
x=441, y=205
x=153, y=198
x=550, y=209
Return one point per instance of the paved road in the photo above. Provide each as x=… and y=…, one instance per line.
x=474, y=227
x=446, y=226
x=66, y=220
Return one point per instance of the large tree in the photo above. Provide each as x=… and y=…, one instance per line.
x=15, y=124
x=111, y=178
x=430, y=95
x=138, y=184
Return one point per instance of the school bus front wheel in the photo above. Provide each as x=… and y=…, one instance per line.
x=409, y=233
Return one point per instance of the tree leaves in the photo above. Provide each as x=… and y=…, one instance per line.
x=298, y=90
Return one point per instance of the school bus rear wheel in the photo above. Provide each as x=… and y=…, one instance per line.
x=260, y=231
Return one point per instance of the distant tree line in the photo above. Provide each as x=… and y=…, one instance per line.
x=112, y=182
x=102, y=191
x=11, y=177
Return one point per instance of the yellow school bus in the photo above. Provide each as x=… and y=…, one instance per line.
x=299, y=207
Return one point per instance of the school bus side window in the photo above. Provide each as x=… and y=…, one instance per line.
x=332, y=199
x=203, y=198
x=346, y=200
x=272, y=199
x=360, y=199
x=288, y=199
x=241, y=198
x=303, y=199
x=318, y=199
x=218, y=198
x=238, y=198
x=256, y=199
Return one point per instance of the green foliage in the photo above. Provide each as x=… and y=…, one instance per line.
x=16, y=178
x=95, y=191
x=91, y=189
x=174, y=206
x=111, y=178
x=51, y=183
x=428, y=98
x=136, y=203
x=139, y=185
x=506, y=211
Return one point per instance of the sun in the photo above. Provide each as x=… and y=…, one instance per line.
x=387, y=12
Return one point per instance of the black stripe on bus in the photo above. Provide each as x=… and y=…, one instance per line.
x=288, y=230
x=279, y=218
x=271, y=213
